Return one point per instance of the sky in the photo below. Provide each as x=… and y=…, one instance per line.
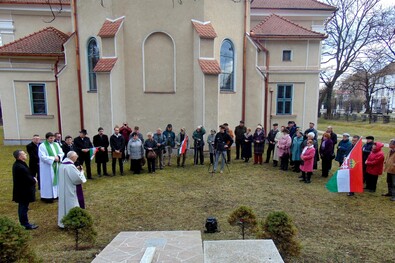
x=387, y=2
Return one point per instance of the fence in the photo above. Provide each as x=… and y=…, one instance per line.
x=362, y=117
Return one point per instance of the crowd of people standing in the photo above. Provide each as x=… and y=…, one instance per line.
x=59, y=166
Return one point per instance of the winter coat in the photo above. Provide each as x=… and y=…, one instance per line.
x=150, y=144
x=24, y=190
x=284, y=145
x=259, y=142
x=239, y=132
x=170, y=138
x=390, y=163
x=326, y=149
x=198, y=137
x=101, y=141
x=308, y=159
x=82, y=143
x=135, y=149
x=159, y=138
x=343, y=149
x=375, y=161
x=366, y=150
x=210, y=142
x=296, y=148
x=246, y=151
x=222, y=139
x=125, y=131
x=180, y=138
x=276, y=139
x=117, y=143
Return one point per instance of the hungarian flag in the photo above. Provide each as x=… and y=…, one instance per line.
x=184, y=144
x=349, y=177
x=92, y=152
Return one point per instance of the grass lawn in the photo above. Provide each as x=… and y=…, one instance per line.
x=332, y=227
x=381, y=132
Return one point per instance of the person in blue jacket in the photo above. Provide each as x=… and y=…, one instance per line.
x=343, y=149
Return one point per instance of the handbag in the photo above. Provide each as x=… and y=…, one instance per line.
x=151, y=155
x=142, y=161
x=116, y=155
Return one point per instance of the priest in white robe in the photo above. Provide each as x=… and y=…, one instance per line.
x=50, y=155
x=69, y=177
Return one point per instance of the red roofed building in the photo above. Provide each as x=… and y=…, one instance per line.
x=151, y=63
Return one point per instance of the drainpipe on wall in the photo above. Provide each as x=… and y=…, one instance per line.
x=243, y=96
x=57, y=96
x=266, y=82
x=77, y=55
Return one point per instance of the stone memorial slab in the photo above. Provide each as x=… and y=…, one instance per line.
x=246, y=251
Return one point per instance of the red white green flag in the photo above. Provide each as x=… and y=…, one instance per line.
x=92, y=152
x=183, y=146
x=349, y=177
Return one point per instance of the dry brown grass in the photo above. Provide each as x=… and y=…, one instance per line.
x=332, y=227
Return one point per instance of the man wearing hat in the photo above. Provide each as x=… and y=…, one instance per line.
x=198, y=144
x=366, y=150
x=222, y=142
x=82, y=145
x=270, y=137
x=50, y=155
x=239, y=133
x=343, y=149
x=101, y=142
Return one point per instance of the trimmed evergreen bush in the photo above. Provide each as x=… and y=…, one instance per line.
x=245, y=218
x=279, y=227
x=14, y=242
x=79, y=222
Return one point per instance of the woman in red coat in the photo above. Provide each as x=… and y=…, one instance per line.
x=307, y=157
x=374, y=166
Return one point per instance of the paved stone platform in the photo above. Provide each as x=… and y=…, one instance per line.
x=237, y=251
x=171, y=247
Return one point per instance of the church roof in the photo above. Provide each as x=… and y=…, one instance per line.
x=275, y=26
x=291, y=4
x=35, y=2
x=210, y=66
x=204, y=30
x=105, y=65
x=110, y=27
x=46, y=42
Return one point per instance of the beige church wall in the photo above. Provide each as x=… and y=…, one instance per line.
x=159, y=63
x=107, y=47
x=68, y=92
x=211, y=103
x=206, y=48
x=298, y=57
x=108, y=106
x=28, y=24
x=314, y=50
x=150, y=110
x=229, y=24
x=255, y=92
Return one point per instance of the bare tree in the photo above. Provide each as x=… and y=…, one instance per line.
x=349, y=31
x=385, y=31
x=368, y=78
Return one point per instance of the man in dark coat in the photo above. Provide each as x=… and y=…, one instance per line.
x=100, y=141
x=117, y=143
x=68, y=146
x=83, y=145
x=24, y=190
x=239, y=134
x=221, y=143
x=34, y=161
x=270, y=137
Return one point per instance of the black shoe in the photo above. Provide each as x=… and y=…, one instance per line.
x=31, y=227
x=302, y=180
x=307, y=181
x=350, y=194
x=106, y=174
x=274, y=165
x=387, y=194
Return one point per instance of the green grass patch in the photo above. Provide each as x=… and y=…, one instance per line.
x=332, y=227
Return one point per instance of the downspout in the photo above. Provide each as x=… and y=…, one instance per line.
x=266, y=82
x=243, y=96
x=57, y=96
x=77, y=55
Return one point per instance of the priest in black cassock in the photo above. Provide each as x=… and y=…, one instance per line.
x=82, y=145
x=101, y=142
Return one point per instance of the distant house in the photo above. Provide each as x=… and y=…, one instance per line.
x=151, y=63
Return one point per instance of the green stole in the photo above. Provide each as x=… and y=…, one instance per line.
x=54, y=164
